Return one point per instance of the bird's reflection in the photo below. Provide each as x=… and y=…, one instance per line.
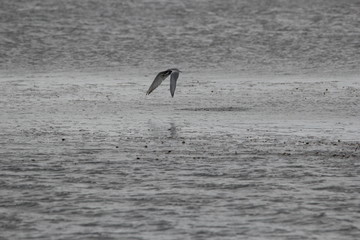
x=173, y=130
x=161, y=130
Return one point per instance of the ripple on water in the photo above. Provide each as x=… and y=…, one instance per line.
x=217, y=109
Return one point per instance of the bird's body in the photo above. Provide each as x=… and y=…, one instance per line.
x=161, y=76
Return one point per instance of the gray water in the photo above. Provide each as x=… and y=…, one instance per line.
x=254, y=36
x=85, y=155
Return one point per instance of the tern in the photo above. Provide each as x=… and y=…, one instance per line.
x=161, y=76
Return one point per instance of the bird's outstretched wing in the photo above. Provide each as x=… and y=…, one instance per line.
x=173, y=78
x=158, y=80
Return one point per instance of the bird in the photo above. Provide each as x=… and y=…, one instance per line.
x=161, y=76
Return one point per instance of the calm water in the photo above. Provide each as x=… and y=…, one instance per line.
x=254, y=36
x=85, y=155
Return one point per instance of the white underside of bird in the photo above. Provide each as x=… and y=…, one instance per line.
x=161, y=76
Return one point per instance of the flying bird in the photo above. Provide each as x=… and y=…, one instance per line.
x=161, y=76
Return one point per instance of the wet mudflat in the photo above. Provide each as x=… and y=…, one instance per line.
x=260, y=142
x=86, y=155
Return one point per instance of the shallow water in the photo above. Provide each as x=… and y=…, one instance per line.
x=253, y=36
x=89, y=156
x=261, y=140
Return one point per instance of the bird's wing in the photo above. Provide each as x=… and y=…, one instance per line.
x=173, y=78
x=158, y=80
